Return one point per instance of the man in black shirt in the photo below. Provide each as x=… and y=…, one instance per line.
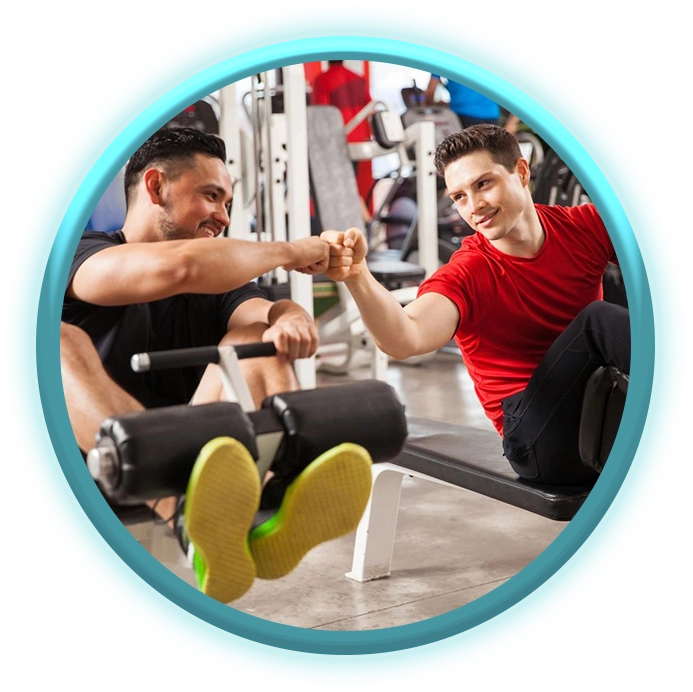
x=166, y=280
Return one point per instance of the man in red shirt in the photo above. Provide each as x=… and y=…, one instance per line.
x=522, y=298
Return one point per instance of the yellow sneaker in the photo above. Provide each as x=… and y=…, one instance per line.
x=325, y=501
x=222, y=498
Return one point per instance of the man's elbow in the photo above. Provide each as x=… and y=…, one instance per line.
x=398, y=351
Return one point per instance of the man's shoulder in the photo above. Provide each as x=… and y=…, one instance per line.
x=580, y=225
x=102, y=238
x=90, y=244
x=473, y=250
x=576, y=214
x=473, y=261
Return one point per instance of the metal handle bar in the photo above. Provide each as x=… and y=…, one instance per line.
x=202, y=355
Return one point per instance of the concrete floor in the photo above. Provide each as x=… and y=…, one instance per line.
x=452, y=546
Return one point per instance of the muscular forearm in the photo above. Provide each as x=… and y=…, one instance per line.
x=228, y=263
x=292, y=329
x=424, y=325
x=142, y=272
x=393, y=330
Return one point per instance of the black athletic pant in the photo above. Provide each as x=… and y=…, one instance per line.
x=541, y=423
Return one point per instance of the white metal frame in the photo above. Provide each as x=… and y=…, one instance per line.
x=375, y=535
x=237, y=390
x=298, y=196
x=284, y=161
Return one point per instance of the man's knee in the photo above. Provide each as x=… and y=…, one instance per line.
x=73, y=341
x=601, y=312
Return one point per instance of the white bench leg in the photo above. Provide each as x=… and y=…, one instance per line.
x=379, y=365
x=375, y=536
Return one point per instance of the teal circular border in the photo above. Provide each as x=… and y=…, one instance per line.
x=587, y=548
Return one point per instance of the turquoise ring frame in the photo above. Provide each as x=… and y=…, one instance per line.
x=568, y=569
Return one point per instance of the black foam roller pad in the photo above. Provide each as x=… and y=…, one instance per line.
x=158, y=448
x=367, y=413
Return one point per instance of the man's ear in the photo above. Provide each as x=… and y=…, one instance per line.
x=522, y=168
x=153, y=180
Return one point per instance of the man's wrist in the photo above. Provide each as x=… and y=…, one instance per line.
x=288, y=254
x=360, y=279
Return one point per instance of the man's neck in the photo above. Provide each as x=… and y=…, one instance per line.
x=527, y=237
x=138, y=229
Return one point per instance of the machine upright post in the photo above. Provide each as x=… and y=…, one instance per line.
x=230, y=132
x=425, y=144
x=298, y=192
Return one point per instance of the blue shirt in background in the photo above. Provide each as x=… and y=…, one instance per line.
x=466, y=101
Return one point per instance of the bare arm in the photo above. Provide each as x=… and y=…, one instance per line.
x=289, y=326
x=424, y=325
x=142, y=272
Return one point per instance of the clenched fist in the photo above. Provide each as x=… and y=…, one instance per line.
x=348, y=251
x=311, y=256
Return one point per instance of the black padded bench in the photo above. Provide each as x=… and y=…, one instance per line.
x=472, y=459
x=395, y=274
x=453, y=455
x=440, y=447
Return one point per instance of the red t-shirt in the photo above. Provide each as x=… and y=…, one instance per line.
x=513, y=308
x=347, y=91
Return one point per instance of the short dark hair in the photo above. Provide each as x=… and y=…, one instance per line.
x=500, y=144
x=171, y=147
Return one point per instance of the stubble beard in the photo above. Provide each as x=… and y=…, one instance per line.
x=168, y=230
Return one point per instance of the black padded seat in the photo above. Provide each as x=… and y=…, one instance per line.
x=473, y=459
x=395, y=274
x=384, y=256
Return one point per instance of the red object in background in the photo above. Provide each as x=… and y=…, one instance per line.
x=348, y=91
x=312, y=70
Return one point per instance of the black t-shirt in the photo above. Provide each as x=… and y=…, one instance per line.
x=182, y=321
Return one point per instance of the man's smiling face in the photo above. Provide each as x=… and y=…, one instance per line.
x=197, y=203
x=488, y=197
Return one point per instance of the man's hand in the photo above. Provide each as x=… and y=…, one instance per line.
x=311, y=255
x=347, y=254
x=292, y=331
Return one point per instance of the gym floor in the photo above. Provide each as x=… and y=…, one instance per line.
x=452, y=546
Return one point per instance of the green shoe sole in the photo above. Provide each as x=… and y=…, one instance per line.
x=222, y=498
x=325, y=501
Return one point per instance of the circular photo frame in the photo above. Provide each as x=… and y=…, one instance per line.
x=586, y=549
